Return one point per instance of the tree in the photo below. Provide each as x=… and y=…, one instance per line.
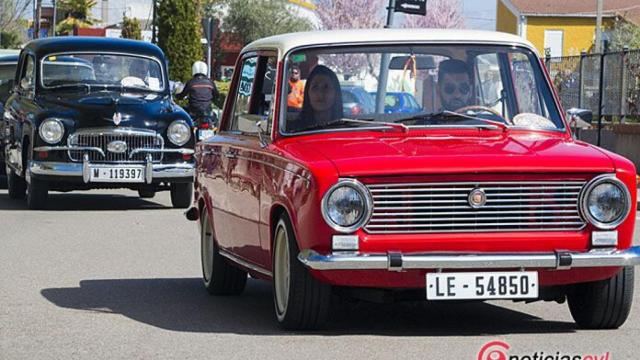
x=11, y=12
x=11, y=24
x=441, y=14
x=624, y=34
x=131, y=28
x=78, y=15
x=179, y=33
x=255, y=19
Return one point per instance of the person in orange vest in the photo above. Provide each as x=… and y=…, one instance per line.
x=296, y=89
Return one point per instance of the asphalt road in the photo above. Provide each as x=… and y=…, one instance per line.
x=106, y=275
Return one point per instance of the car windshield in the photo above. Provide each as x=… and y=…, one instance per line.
x=128, y=71
x=419, y=86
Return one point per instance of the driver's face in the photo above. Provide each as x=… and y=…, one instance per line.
x=455, y=91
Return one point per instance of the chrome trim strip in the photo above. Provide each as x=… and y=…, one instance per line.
x=164, y=151
x=363, y=261
x=245, y=263
x=98, y=131
x=68, y=148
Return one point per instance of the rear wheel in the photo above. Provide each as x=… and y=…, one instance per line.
x=603, y=304
x=181, y=195
x=37, y=194
x=219, y=277
x=301, y=302
x=16, y=185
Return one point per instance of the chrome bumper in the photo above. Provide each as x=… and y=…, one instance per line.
x=81, y=170
x=394, y=261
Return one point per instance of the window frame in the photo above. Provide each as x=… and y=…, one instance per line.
x=261, y=57
x=529, y=51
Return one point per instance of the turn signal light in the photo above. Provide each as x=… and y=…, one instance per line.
x=43, y=155
x=186, y=157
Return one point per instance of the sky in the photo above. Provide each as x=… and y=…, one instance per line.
x=478, y=14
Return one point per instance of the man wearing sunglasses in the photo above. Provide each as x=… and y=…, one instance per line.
x=454, y=84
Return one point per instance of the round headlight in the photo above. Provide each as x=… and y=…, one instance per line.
x=347, y=206
x=179, y=132
x=51, y=130
x=606, y=202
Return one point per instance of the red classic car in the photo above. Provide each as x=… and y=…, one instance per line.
x=483, y=194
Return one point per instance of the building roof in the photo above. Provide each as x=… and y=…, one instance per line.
x=286, y=42
x=628, y=9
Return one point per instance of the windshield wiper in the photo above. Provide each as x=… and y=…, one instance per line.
x=369, y=121
x=452, y=115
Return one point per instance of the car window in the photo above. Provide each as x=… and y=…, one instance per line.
x=255, y=94
x=488, y=80
x=348, y=97
x=7, y=74
x=27, y=81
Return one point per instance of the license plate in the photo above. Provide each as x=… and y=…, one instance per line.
x=126, y=174
x=482, y=285
x=205, y=134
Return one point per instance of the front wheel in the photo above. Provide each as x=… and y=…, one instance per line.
x=603, y=304
x=37, y=194
x=301, y=302
x=16, y=185
x=181, y=195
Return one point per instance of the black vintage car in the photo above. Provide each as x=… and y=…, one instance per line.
x=90, y=113
x=7, y=74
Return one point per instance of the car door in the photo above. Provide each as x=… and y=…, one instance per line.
x=20, y=110
x=235, y=202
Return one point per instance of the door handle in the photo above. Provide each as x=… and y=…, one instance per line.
x=230, y=155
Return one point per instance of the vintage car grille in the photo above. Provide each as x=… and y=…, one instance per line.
x=445, y=207
x=100, y=139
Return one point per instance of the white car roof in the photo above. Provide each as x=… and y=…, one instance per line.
x=285, y=42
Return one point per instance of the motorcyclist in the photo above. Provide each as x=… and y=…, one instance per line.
x=201, y=92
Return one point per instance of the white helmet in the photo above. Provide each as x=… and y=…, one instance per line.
x=199, y=67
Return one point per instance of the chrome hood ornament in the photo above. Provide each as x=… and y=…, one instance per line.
x=117, y=118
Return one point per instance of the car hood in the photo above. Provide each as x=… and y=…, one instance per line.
x=98, y=110
x=359, y=155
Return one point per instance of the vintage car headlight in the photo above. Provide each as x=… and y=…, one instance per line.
x=347, y=206
x=605, y=202
x=51, y=130
x=179, y=132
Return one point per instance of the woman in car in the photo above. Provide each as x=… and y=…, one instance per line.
x=322, y=101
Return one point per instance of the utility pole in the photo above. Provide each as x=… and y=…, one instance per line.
x=153, y=22
x=36, y=20
x=384, y=64
x=53, y=25
x=599, y=27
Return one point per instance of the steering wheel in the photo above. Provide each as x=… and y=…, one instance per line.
x=483, y=108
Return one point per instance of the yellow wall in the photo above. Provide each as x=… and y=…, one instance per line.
x=506, y=21
x=578, y=33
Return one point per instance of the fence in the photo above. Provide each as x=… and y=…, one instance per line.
x=607, y=84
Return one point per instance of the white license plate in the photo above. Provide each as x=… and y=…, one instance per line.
x=482, y=285
x=125, y=174
x=205, y=134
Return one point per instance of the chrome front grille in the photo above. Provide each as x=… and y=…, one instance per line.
x=445, y=207
x=100, y=139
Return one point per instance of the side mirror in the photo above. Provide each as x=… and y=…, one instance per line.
x=261, y=127
x=576, y=116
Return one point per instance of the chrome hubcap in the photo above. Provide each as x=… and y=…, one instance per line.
x=281, y=271
x=206, y=252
